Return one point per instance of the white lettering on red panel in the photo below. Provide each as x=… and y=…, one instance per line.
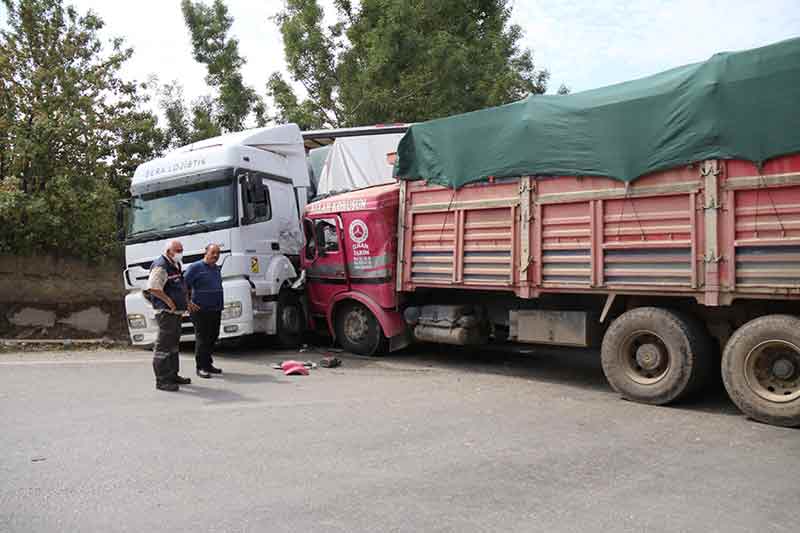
x=356, y=204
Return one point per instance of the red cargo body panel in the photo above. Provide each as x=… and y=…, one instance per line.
x=716, y=231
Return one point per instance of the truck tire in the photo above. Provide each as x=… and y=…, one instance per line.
x=289, y=321
x=358, y=331
x=655, y=356
x=761, y=369
x=706, y=372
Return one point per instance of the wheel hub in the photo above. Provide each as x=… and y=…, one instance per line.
x=645, y=357
x=649, y=356
x=356, y=327
x=772, y=370
x=783, y=369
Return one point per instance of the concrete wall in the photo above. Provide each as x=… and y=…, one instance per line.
x=53, y=280
x=45, y=297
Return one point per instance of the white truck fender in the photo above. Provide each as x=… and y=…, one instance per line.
x=279, y=271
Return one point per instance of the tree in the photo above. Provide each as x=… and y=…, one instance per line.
x=233, y=105
x=178, y=130
x=72, y=130
x=66, y=110
x=233, y=102
x=400, y=61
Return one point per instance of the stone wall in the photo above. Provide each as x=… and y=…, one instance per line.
x=51, y=297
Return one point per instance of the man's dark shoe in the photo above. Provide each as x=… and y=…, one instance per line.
x=180, y=380
x=171, y=387
x=203, y=373
x=213, y=370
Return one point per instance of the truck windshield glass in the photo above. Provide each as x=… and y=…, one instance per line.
x=190, y=208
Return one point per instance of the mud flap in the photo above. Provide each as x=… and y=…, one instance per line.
x=398, y=342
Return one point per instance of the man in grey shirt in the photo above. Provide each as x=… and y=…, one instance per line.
x=167, y=292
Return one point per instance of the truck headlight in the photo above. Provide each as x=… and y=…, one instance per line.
x=137, y=322
x=232, y=310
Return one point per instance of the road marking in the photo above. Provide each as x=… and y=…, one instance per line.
x=82, y=361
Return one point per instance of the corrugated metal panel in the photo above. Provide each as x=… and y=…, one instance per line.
x=763, y=214
x=567, y=265
x=432, y=245
x=768, y=266
x=566, y=244
x=767, y=237
x=488, y=240
x=592, y=233
x=648, y=241
x=657, y=266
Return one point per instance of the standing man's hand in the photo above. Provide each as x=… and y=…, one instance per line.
x=161, y=295
x=193, y=307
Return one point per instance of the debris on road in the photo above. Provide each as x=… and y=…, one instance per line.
x=294, y=368
x=285, y=365
x=330, y=362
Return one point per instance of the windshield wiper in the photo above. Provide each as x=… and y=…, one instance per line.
x=148, y=230
x=200, y=223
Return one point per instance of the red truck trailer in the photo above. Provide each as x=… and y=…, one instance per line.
x=664, y=272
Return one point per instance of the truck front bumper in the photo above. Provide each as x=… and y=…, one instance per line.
x=142, y=315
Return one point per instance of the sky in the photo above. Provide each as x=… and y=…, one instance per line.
x=583, y=43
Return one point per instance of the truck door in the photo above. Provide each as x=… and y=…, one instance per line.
x=269, y=223
x=324, y=256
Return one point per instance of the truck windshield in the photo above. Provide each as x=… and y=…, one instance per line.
x=203, y=206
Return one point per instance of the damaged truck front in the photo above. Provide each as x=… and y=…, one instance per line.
x=243, y=191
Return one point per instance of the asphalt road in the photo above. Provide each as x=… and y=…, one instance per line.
x=443, y=441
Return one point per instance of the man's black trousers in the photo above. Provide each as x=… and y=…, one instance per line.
x=165, y=351
x=206, y=333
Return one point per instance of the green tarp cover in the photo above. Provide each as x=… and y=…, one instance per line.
x=740, y=105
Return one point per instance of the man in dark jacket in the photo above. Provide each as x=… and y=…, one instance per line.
x=169, y=298
x=204, y=280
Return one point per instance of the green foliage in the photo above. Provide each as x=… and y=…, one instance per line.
x=233, y=103
x=62, y=219
x=187, y=123
x=178, y=131
x=400, y=61
x=71, y=130
x=306, y=114
x=209, y=27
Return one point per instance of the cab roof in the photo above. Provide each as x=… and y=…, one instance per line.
x=278, y=149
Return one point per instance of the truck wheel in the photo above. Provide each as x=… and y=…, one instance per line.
x=654, y=356
x=289, y=322
x=358, y=330
x=761, y=369
x=705, y=373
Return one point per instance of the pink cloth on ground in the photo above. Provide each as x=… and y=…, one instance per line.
x=294, y=368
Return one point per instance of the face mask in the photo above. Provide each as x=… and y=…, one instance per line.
x=178, y=258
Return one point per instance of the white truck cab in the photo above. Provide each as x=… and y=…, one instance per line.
x=244, y=191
